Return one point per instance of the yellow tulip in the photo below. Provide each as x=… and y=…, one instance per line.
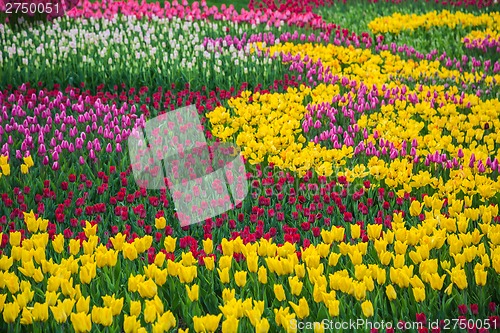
x=209, y=263
x=355, y=231
x=359, y=290
x=150, y=313
x=374, y=231
x=87, y=273
x=102, y=315
x=262, y=326
x=356, y=257
x=24, y=169
x=253, y=315
x=51, y=297
x=83, y=305
x=458, y=277
x=224, y=275
x=301, y=309
x=333, y=259
x=173, y=267
x=147, y=289
x=141, y=244
x=58, y=243
x=208, y=323
x=5, y=169
x=40, y=311
x=208, y=245
x=193, y=292
x=241, y=278
x=169, y=244
x=295, y=285
x=5, y=264
x=26, y=317
x=279, y=292
x=333, y=308
x=419, y=294
x=252, y=262
x=131, y=324
x=168, y=321
x=31, y=222
x=74, y=246
x=436, y=281
x=81, y=322
x=3, y=297
x=367, y=308
x=187, y=274
x=230, y=325
x=159, y=259
x=227, y=247
x=59, y=314
x=390, y=292
x=225, y=261
x=262, y=274
x=415, y=208
x=114, y=304
x=480, y=275
x=135, y=308
x=385, y=258
x=160, y=276
x=28, y=160
x=188, y=259
x=15, y=238
x=10, y=312
x=130, y=251
x=228, y=295
x=118, y=240
x=160, y=223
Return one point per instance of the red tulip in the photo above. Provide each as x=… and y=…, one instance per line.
x=462, y=309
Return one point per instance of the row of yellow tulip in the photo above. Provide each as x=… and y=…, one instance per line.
x=490, y=34
x=397, y=22
x=448, y=251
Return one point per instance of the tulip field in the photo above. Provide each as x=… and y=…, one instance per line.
x=370, y=135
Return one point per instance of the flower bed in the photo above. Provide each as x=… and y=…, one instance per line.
x=371, y=164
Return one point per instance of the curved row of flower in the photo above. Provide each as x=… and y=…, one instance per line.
x=484, y=40
x=397, y=22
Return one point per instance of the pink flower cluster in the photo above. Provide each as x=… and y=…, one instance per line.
x=201, y=11
x=486, y=44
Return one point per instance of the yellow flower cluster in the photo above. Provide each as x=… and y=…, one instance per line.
x=397, y=22
x=5, y=167
x=271, y=126
x=28, y=163
x=438, y=253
